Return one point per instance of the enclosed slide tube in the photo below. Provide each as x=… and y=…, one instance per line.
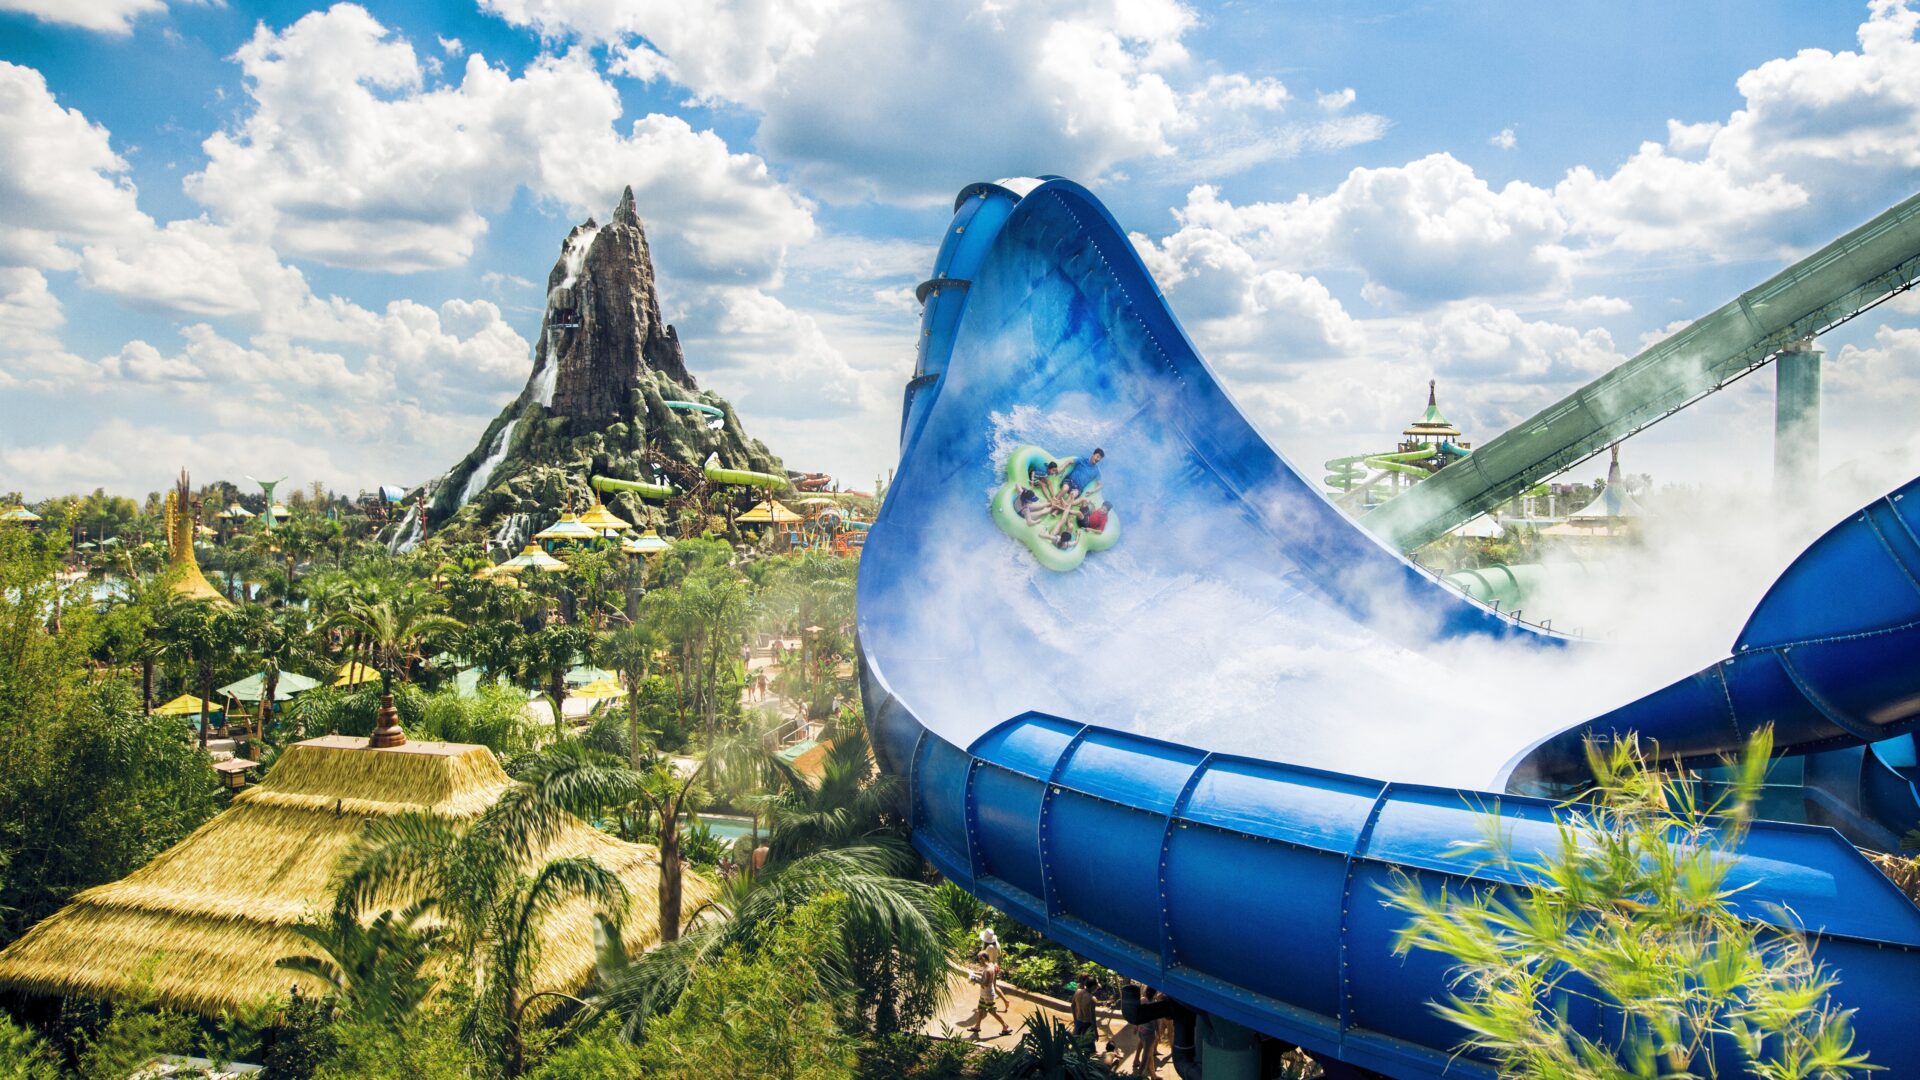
x=638, y=487
x=1829, y=658
x=1074, y=744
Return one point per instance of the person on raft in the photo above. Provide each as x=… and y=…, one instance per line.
x=1094, y=518
x=1040, y=471
x=1082, y=475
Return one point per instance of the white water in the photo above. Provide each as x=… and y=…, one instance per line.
x=408, y=534
x=507, y=536
x=545, y=378
x=483, y=472
x=575, y=256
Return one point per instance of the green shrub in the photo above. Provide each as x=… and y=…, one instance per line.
x=24, y=1055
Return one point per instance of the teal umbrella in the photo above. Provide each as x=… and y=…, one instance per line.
x=251, y=687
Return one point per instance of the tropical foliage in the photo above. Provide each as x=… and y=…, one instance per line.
x=1631, y=908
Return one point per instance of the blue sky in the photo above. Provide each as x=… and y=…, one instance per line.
x=281, y=236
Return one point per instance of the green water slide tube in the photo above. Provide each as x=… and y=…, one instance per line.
x=1345, y=472
x=638, y=487
x=696, y=406
x=741, y=477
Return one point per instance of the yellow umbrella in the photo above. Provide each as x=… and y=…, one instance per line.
x=354, y=674
x=530, y=558
x=768, y=512
x=184, y=705
x=598, y=688
x=603, y=521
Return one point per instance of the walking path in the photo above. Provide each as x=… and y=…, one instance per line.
x=1016, y=1006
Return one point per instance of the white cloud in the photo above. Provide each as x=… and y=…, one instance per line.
x=1658, y=202
x=849, y=91
x=129, y=458
x=1822, y=139
x=106, y=16
x=1254, y=320
x=1504, y=139
x=771, y=360
x=63, y=179
x=1335, y=100
x=347, y=156
x=1429, y=230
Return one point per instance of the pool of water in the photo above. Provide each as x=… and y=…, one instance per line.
x=725, y=826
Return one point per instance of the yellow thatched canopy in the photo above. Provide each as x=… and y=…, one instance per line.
x=355, y=673
x=206, y=919
x=769, y=512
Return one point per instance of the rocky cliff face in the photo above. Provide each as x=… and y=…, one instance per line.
x=605, y=368
x=602, y=327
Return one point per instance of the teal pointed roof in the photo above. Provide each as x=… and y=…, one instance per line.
x=1431, y=424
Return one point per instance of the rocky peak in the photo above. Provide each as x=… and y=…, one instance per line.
x=603, y=327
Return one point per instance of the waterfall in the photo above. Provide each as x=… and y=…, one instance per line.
x=507, y=536
x=483, y=472
x=408, y=534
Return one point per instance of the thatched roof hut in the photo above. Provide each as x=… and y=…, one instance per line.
x=204, y=922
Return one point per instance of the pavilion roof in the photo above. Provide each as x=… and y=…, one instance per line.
x=569, y=527
x=769, y=512
x=602, y=520
x=199, y=927
x=647, y=543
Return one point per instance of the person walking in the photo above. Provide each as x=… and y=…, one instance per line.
x=987, y=974
x=1083, y=1008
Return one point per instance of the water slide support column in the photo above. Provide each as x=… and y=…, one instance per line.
x=1796, y=419
x=1228, y=1051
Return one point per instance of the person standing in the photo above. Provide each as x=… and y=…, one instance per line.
x=987, y=973
x=1083, y=1008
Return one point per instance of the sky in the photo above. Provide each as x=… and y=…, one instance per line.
x=293, y=239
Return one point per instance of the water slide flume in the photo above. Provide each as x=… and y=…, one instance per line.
x=637, y=487
x=1060, y=734
x=740, y=477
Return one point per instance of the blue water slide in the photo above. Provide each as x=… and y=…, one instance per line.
x=1117, y=754
x=1830, y=658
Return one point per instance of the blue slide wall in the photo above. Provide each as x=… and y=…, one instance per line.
x=1101, y=752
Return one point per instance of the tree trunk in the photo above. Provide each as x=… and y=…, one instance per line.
x=633, y=724
x=557, y=690
x=206, y=711
x=670, y=873
x=146, y=683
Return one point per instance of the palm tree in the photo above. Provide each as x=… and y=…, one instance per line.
x=848, y=805
x=835, y=835
x=629, y=651
x=276, y=636
x=488, y=885
x=1047, y=1051
x=150, y=600
x=378, y=968
x=882, y=915
x=543, y=658
x=205, y=636
x=703, y=618
x=393, y=625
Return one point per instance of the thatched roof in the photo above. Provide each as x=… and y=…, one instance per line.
x=207, y=918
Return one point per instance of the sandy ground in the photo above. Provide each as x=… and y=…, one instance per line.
x=963, y=995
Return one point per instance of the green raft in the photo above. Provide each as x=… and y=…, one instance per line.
x=1039, y=535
